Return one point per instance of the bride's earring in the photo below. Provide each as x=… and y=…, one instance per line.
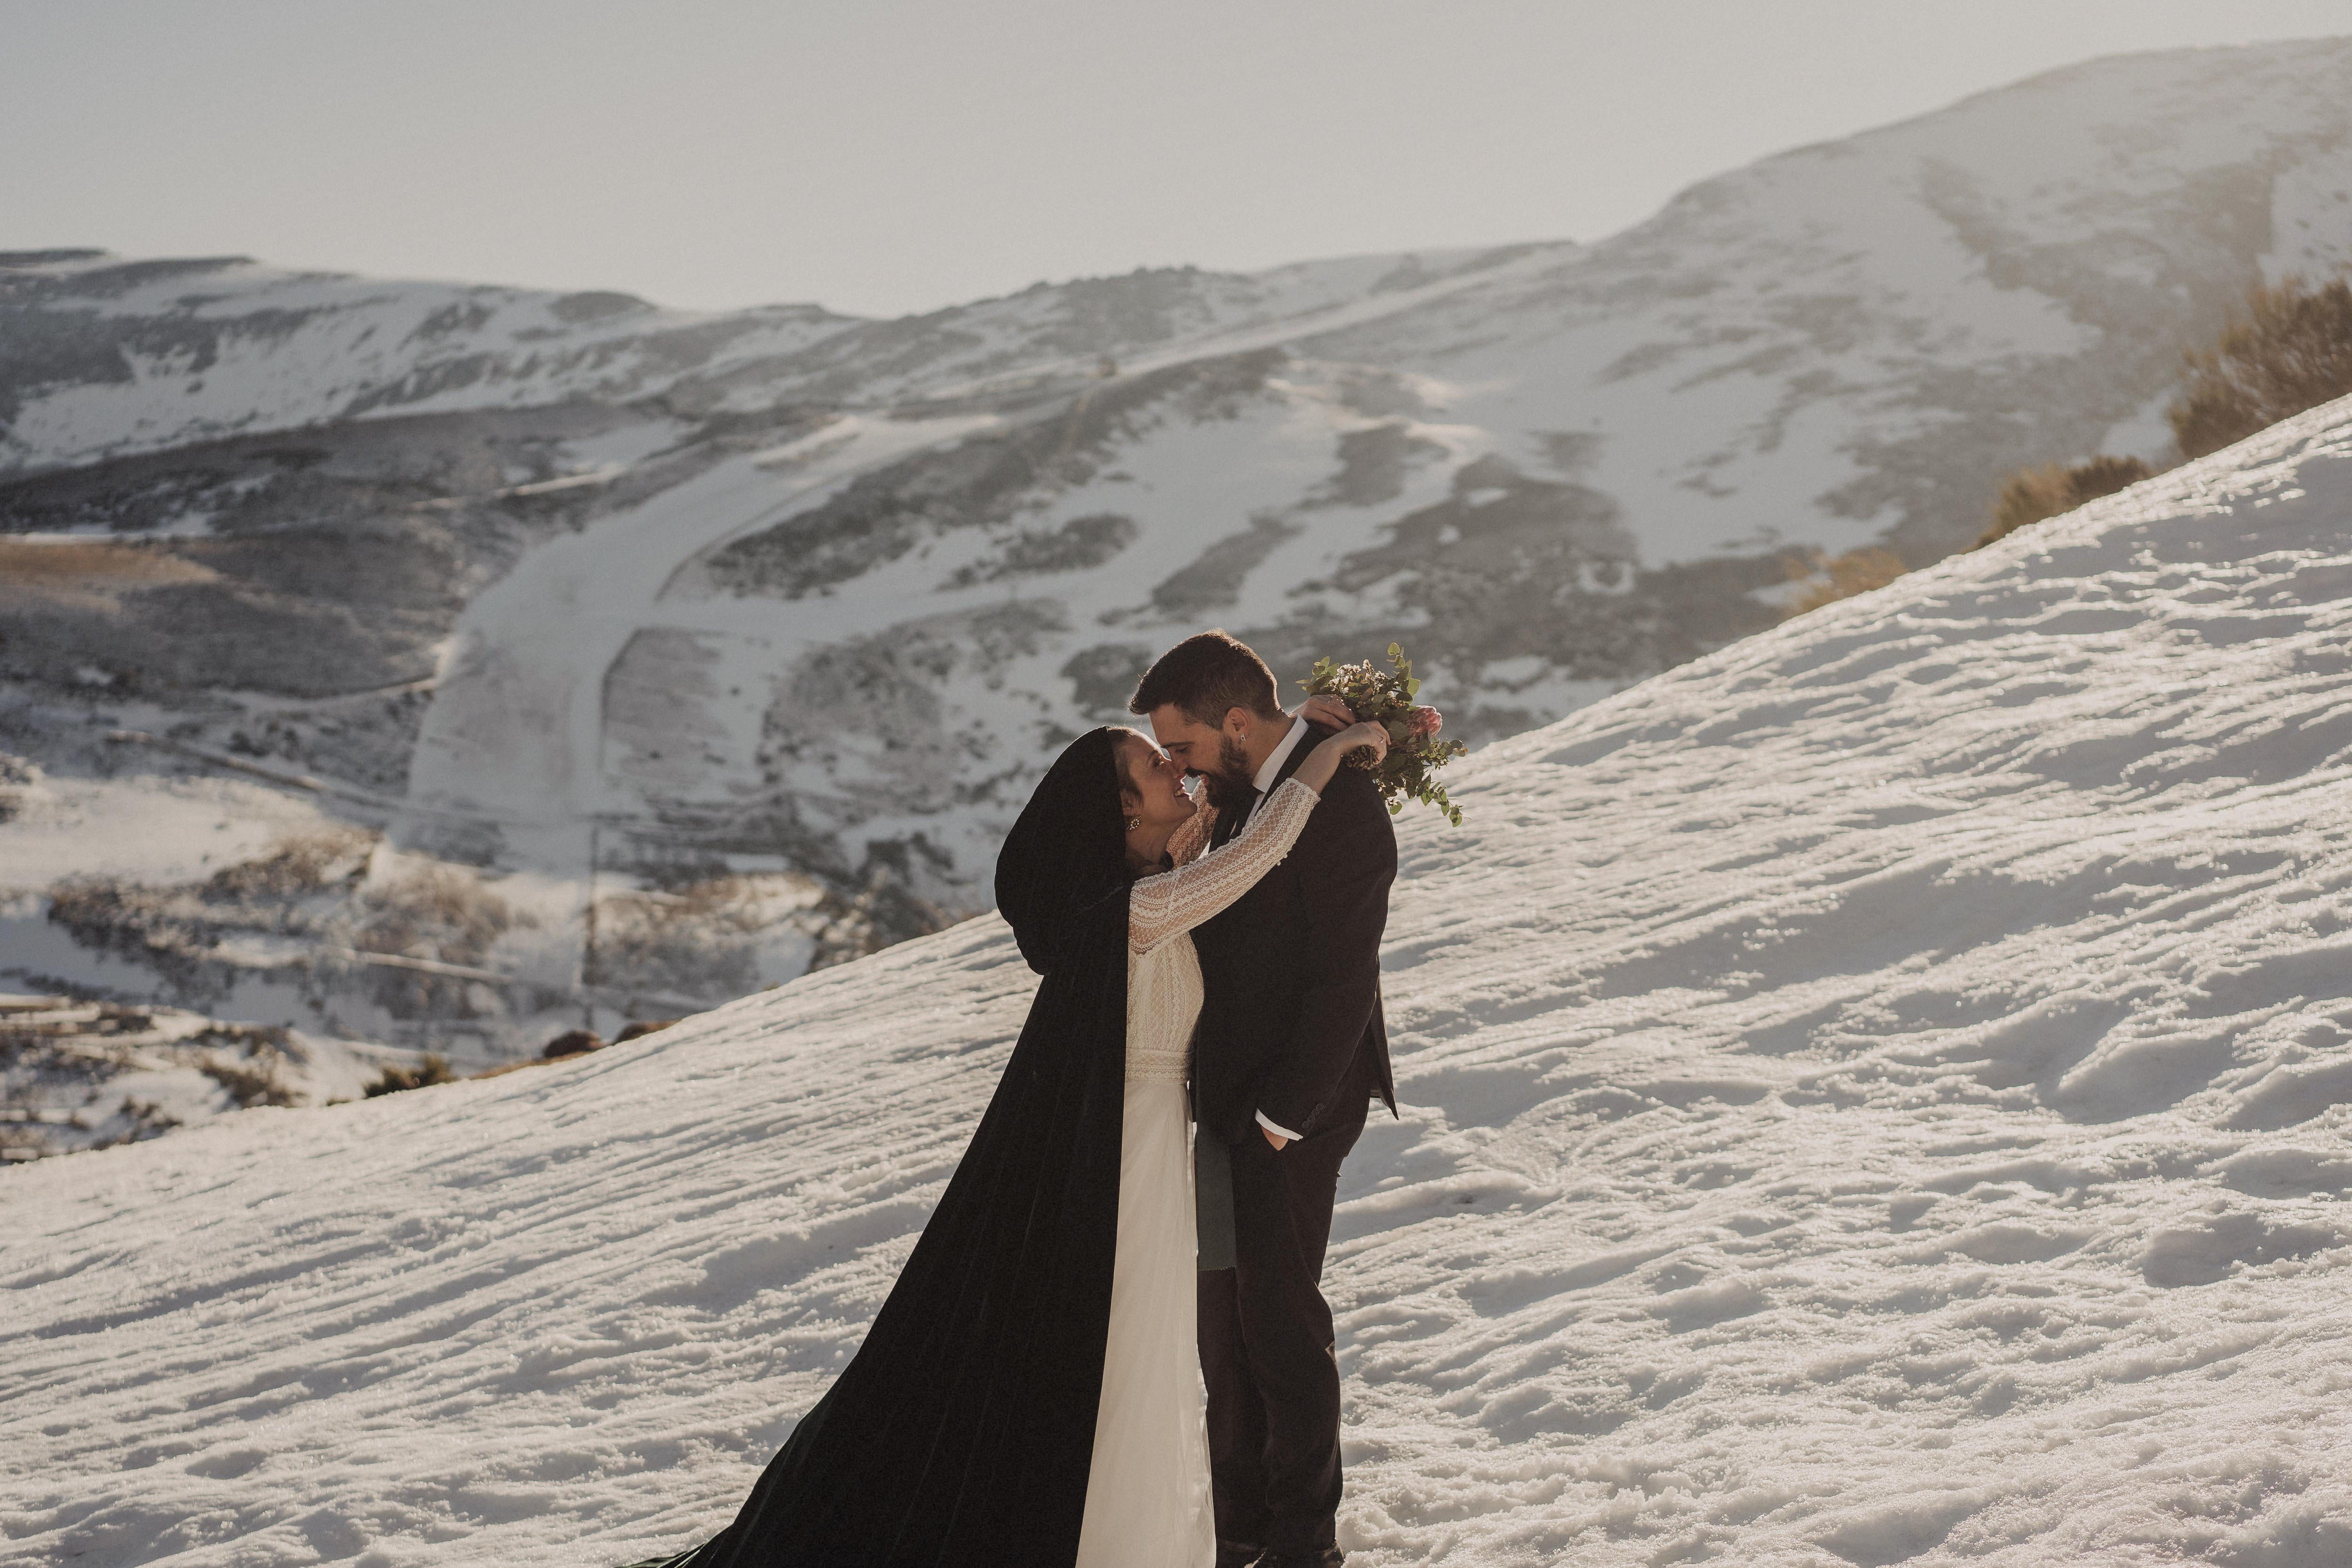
x=1133, y=823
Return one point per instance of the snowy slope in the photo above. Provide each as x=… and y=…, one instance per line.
x=789, y=595
x=1874, y=1095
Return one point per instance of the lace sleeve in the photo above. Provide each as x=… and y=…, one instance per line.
x=1158, y=906
x=1184, y=845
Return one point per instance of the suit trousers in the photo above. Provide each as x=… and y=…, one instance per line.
x=1266, y=1346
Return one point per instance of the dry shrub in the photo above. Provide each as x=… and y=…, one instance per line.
x=250, y=1083
x=18, y=778
x=2290, y=351
x=700, y=940
x=296, y=866
x=2028, y=495
x=159, y=929
x=436, y=912
x=1855, y=571
x=144, y=1119
x=572, y=1043
x=432, y=1070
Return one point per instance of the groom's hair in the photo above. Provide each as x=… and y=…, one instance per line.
x=1206, y=675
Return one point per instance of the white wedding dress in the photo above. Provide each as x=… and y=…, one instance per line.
x=1148, y=1503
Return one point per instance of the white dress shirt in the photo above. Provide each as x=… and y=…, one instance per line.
x=1263, y=783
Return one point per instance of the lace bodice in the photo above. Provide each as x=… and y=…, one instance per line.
x=1163, y=973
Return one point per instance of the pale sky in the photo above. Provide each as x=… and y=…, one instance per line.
x=887, y=156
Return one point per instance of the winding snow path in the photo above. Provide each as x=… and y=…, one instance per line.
x=516, y=724
x=1876, y=1095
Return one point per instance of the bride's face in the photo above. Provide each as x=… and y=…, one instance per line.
x=1154, y=794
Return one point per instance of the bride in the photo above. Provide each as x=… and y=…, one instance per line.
x=1030, y=1392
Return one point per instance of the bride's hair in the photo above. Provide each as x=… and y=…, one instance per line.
x=1127, y=744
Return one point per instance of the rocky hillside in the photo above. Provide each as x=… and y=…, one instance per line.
x=789, y=607
x=77, y=1075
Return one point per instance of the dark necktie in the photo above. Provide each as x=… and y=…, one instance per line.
x=1231, y=828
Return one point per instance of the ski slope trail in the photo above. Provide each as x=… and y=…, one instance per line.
x=1876, y=1095
x=516, y=730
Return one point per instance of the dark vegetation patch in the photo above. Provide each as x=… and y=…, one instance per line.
x=307, y=612
x=1102, y=677
x=595, y=305
x=1378, y=394
x=660, y=729
x=249, y=1083
x=858, y=906
x=47, y=258
x=1075, y=546
x=986, y=481
x=432, y=1070
x=1509, y=568
x=325, y=565
x=54, y=339
x=60, y=1054
x=1100, y=315
x=869, y=706
x=696, y=941
x=470, y=313
x=165, y=931
x=438, y=913
x=1374, y=464
x=299, y=888
x=1087, y=322
x=1213, y=579
x=1570, y=452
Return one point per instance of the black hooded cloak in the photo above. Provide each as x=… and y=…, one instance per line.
x=963, y=1432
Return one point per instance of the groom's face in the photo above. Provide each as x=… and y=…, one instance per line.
x=1216, y=755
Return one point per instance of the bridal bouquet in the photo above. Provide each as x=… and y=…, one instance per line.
x=1414, y=750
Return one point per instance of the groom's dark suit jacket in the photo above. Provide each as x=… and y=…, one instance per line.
x=1291, y=1024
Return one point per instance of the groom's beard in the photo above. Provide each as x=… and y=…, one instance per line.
x=1232, y=782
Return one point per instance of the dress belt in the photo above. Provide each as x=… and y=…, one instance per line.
x=1156, y=1067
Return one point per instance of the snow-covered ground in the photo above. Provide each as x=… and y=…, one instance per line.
x=1875, y=1095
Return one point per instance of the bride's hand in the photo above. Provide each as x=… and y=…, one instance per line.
x=1322, y=762
x=1327, y=710
x=1368, y=732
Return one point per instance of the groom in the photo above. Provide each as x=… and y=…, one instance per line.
x=1289, y=1050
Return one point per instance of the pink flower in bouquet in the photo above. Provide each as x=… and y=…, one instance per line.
x=1425, y=722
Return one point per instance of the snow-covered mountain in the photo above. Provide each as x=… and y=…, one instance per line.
x=786, y=609
x=1876, y=1094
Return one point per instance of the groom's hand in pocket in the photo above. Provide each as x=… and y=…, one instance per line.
x=1277, y=1139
